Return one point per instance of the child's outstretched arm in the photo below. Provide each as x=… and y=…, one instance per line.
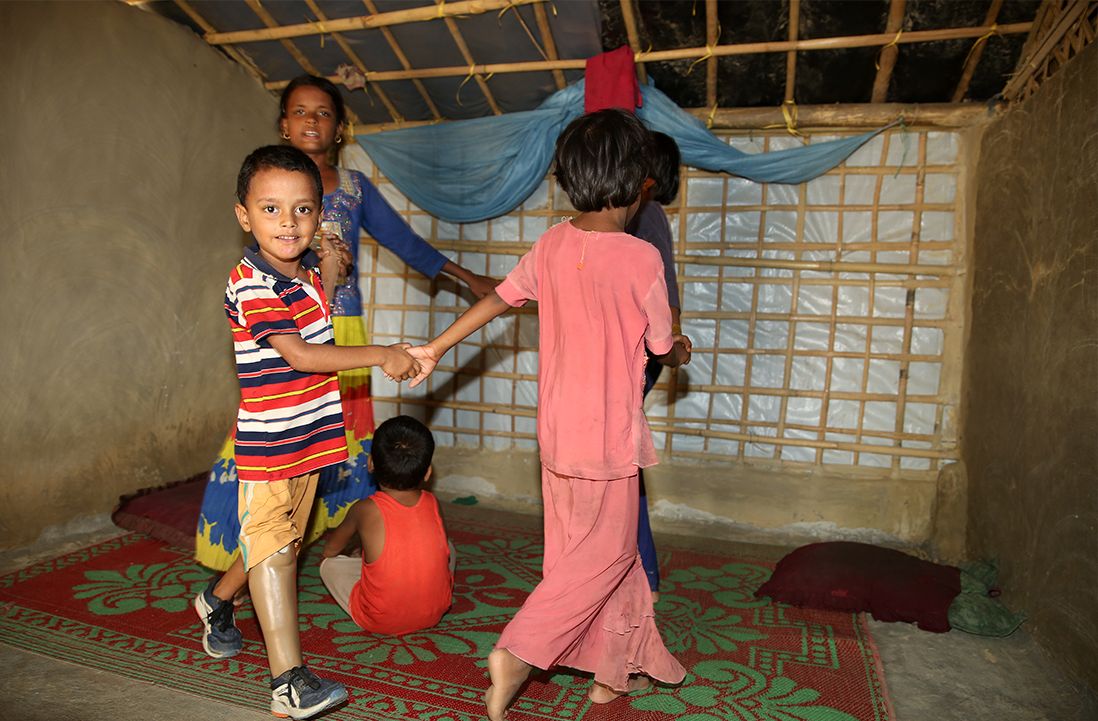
x=323, y=358
x=484, y=310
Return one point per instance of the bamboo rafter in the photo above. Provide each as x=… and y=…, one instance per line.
x=791, y=56
x=235, y=54
x=712, y=37
x=887, y=60
x=354, y=58
x=403, y=60
x=781, y=46
x=976, y=53
x=463, y=47
x=629, y=17
x=547, y=40
x=364, y=22
x=1063, y=29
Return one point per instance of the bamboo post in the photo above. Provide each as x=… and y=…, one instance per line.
x=791, y=55
x=403, y=60
x=364, y=22
x=887, y=59
x=976, y=53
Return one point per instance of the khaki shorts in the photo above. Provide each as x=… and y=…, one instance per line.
x=273, y=515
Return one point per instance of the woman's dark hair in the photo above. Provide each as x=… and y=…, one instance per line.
x=601, y=160
x=323, y=84
x=665, y=168
x=283, y=157
x=401, y=450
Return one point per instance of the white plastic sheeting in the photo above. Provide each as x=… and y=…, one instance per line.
x=814, y=357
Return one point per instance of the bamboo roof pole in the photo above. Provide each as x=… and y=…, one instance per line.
x=629, y=17
x=354, y=58
x=403, y=59
x=976, y=53
x=887, y=59
x=854, y=115
x=791, y=56
x=550, y=44
x=712, y=35
x=780, y=46
x=464, y=48
x=364, y=22
x=1043, y=47
x=233, y=53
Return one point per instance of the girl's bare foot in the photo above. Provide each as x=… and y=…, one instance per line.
x=601, y=693
x=508, y=671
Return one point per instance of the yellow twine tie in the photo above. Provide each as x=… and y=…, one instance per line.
x=708, y=54
x=457, y=95
x=553, y=6
x=886, y=47
x=993, y=31
x=712, y=114
x=789, y=112
x=319, y=25
x=441, y=5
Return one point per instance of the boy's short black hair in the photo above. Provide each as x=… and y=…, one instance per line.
x=283, y=157
x=401, y=450
x=317, y=82
x=601, y=160
x=665, y=168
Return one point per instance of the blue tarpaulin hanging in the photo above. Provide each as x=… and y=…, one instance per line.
x=471, y=170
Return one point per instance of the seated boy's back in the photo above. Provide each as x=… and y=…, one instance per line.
x=403, y=581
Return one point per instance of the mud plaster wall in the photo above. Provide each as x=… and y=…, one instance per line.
x=1031, y=427
x=122, y=136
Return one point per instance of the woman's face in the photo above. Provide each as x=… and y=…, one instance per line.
x=310, y=120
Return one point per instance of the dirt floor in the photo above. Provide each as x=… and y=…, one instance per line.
x=931, y=677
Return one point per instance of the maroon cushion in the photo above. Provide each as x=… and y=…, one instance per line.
x=845, y=576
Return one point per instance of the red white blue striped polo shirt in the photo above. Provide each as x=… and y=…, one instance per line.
x=289, y=423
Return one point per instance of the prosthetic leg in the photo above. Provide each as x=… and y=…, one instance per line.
x=273, y=584
x=296, y=691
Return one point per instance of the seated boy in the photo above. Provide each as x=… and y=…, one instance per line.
x=289, y=423
x=404, y=580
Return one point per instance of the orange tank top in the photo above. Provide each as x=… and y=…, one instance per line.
x=409, y=587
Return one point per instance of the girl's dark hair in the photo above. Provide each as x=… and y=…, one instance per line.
x=665, y=168
x=601, y=160
x=283, y=157
x=402, y=449
x=322, y=83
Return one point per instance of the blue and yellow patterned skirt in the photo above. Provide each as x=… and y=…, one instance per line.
x=339, y=487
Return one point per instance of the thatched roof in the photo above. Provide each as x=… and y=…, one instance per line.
x=449, y=60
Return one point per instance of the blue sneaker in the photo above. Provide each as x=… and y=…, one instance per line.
x=300, y=694
x=221, y=638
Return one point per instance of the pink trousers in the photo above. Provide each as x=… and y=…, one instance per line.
x=592, y=610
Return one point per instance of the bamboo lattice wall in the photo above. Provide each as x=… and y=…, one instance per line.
x=822, y=315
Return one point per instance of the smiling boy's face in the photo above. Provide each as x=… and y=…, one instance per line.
x=281, y=211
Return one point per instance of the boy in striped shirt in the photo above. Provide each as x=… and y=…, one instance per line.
x=290, y=422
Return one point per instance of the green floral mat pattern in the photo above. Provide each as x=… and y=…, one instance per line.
x=124, y=606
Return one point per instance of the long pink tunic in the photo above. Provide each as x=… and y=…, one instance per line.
x=601, y=298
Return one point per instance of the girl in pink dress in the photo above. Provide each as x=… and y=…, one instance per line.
x=602, y=300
